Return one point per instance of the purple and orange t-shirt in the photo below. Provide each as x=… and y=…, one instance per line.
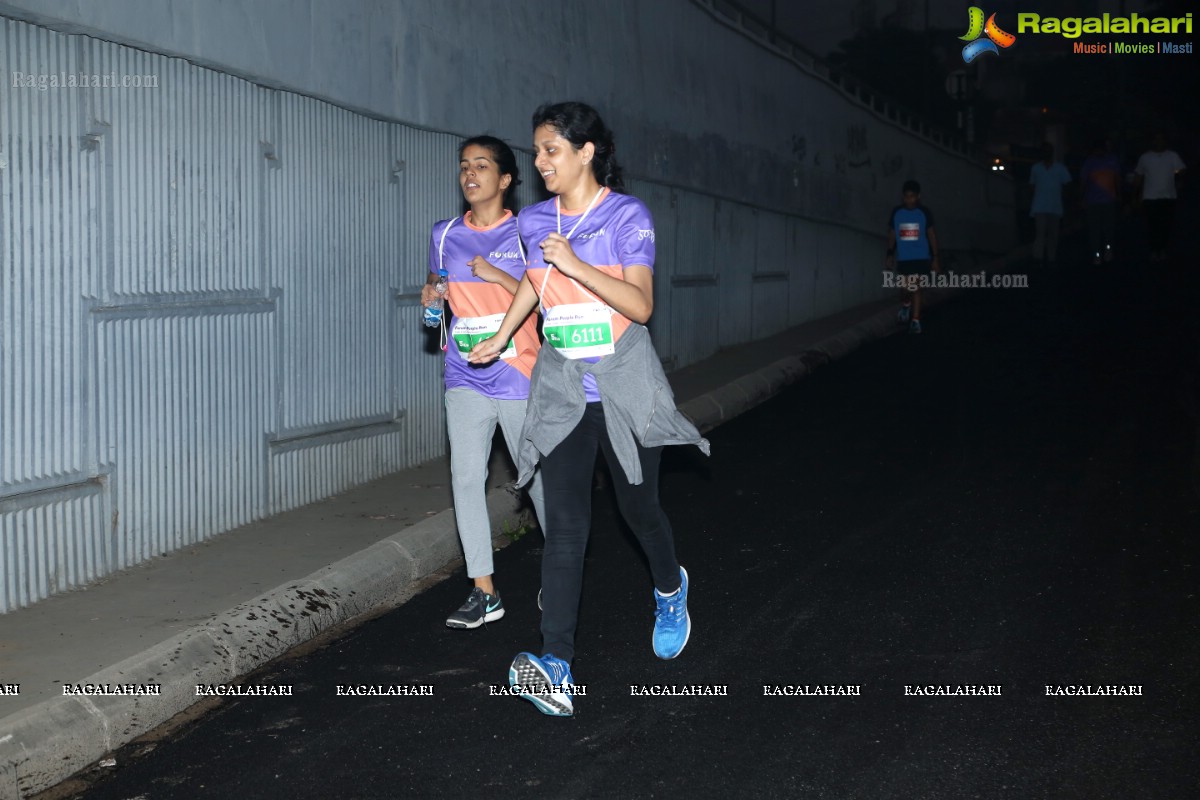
x=618, y=232
x=478, y=306
x=1101, y=179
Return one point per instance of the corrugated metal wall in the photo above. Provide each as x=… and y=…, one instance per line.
x=54, y=507
x=209, y=303
x=208, y=307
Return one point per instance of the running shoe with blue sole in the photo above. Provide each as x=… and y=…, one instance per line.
x=672, y=623
x=546, y=682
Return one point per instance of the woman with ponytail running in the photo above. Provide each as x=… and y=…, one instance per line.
x=478, y=259
x=598, y=383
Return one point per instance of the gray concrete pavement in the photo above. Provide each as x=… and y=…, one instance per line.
x=215, y=611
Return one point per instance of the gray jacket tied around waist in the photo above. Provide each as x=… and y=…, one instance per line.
x=638, y=402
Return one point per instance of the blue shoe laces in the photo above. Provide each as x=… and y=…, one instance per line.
x=669, y=610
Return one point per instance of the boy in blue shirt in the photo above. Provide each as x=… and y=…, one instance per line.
x=912, y=252
x=1047, y=177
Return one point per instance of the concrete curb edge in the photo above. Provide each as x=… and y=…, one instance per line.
x=48, y=742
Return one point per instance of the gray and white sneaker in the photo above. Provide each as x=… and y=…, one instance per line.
x=480, y=607
x=546, y=682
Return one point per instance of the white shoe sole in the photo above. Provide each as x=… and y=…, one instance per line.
x=470, y=626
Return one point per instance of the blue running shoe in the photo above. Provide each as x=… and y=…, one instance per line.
x=672, y=623
x=904, y=314
x=914, y=326
x=546, y=682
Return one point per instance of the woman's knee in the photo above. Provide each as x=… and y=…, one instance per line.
x=468, y=473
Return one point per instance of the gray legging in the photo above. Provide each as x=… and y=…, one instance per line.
x=1045, y=241
x=471, y=420
x=567, y=475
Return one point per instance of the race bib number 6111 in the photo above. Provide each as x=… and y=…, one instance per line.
x=580, y=330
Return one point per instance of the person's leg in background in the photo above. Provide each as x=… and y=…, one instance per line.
x=1052, y=224
x=1038, y=248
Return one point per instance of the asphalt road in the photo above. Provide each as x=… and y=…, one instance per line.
x=1008, y=500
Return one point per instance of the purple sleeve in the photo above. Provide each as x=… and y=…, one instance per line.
x=635, y=240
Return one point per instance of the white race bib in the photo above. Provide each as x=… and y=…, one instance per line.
x=470, y=331
x=580, y=330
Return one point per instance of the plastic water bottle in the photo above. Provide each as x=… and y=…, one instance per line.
x=432, y=315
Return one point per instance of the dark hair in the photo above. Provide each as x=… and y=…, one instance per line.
x=579, y=124
x=910, y=186
x=506, y=163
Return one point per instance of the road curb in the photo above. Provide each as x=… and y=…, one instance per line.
x=46, y=743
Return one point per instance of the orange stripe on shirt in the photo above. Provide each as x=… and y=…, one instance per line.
x=484, y=299
x=560, y=290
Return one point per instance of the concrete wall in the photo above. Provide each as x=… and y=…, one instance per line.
x=208, y=313
x=693, y=104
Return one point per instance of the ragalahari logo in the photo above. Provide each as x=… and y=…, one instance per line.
x=996, y=38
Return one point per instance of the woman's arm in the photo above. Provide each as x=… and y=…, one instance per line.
x=524, y=301
x=632, y=297
x=485, y=271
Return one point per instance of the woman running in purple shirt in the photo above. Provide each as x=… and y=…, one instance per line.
x=480, y=259
x=598, y=384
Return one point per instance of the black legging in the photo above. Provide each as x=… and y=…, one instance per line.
x=567, y=481
x=1159, y=216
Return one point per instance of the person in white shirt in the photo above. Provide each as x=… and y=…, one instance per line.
x=1154, y=178
x=1047, y=177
